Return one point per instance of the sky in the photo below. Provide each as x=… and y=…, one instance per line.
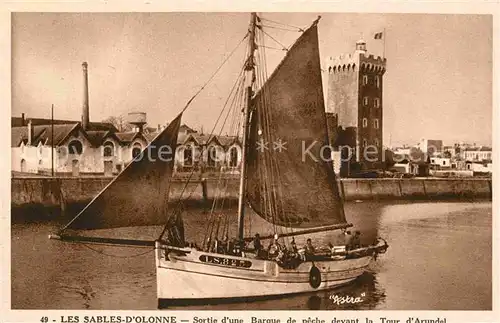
x=438, y=83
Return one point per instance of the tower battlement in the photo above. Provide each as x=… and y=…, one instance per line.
x=351, y=62
x=373, y=63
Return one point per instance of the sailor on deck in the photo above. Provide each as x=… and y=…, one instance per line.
x=348, y=239
x=274, y=247
x=257, y=245
x=309, y=248
x=293, y=246
x=356, y=240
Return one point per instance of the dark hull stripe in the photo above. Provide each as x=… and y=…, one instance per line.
x=257, y=279
x=222, y=266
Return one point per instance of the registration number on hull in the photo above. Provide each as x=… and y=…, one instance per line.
x=226, y=261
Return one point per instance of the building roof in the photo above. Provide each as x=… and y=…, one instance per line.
x=41, y=134
x=20, y=134
x=202, y=139
x=18, y=122
x=481, y=148
x=61, y=132
x=185, y=128
x=228, y=140
x=98, y=135
x=126, y=137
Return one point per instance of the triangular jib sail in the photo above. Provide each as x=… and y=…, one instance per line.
x=138, y=196
x=290, y=182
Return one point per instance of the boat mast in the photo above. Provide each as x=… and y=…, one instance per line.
x=249, y=79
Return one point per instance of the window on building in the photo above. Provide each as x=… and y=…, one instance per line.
x=376, y=103
x=136, y=150
x=376, y=124
x=444, y=163
x=23, y=165
x=109, y=149
x=212, y=156
x=119, y=167
x=233, y=157
x=377, y=81
x=365, y=122
x=188, y=156
x=75, y=147
x=365, y=79
x=365, y=101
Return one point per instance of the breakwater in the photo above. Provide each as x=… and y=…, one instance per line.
x=64, y=191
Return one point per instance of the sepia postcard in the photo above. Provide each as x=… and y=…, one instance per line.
x=215, y=163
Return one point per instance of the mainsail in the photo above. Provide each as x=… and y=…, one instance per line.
x=138, y=196
x=290, y=182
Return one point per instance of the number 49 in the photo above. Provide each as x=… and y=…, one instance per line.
x=44, y=319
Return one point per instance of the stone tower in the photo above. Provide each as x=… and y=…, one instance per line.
x=355, y=98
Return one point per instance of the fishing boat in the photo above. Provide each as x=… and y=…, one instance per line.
x=293, y=189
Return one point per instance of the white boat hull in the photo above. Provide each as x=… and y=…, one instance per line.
x=199, y=275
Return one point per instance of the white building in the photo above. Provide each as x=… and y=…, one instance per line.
x=107, y=152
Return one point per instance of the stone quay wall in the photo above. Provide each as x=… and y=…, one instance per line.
x=64, y=191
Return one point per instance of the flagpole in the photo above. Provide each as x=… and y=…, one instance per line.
x=52, y=139
x=384, y=35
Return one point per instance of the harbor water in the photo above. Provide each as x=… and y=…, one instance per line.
x=439, y=258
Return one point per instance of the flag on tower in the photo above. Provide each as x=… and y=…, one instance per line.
x=378, y=35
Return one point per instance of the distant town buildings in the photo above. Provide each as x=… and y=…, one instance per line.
x=460, y=159
x=430, y=146
x=410, y=161
x=355, y=84
x=73, y=148
x=477, y=154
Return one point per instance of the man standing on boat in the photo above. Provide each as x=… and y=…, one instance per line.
x=274, y=247
x=257, y=245
x=356, y=240
x=309, y=249
x=348, y=239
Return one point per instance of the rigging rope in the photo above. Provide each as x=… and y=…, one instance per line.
x=284, y=47
x=115, y=256
x=269, y=47
x=180, y=201
x=238, y=85
x=279, y=28
x=282, y=24
x=213, y=75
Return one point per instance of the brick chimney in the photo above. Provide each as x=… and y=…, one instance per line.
x=85, y=106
